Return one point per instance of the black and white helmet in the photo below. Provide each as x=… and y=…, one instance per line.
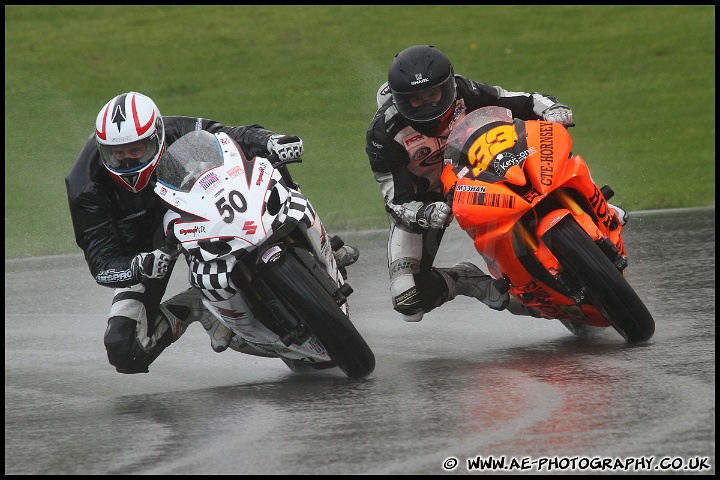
x=423, y=87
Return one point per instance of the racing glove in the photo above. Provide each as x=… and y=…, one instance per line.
x=434, y=215
x=155, y=264
x=559, y=113
x=286, y=147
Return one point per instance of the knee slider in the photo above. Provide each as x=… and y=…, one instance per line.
x=124, y=351
x=434, y=289
x=119, y=341
x=120, y=334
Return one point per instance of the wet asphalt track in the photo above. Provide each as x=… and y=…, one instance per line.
x=465, y=382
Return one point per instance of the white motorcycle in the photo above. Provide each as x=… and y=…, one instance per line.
x=259, y=254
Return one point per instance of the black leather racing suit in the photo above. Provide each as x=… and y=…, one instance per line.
x=407, y=166
x=112, y=225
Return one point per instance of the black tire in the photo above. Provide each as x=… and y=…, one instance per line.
x=300, y=291
x=606, y=287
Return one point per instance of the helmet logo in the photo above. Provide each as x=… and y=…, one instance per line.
x=419, y=79
x=118, y=116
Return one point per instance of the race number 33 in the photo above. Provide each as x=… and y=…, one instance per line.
x=488, y=145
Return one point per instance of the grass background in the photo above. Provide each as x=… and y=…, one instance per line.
x=640, y=80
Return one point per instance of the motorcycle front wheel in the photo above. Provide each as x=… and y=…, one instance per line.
x=301, y=293
x=607, y=288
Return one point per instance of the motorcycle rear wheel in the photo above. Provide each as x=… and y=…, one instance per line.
x=607, y=288
x=301, y=293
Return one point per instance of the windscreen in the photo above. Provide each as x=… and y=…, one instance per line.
x=188, y=158
x=470, y=144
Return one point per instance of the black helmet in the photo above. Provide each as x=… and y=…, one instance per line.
x=423, y=86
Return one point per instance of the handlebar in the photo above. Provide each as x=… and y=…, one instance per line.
x=275, y=160
x=171, y=241
x=450, y=195
x=281, y=165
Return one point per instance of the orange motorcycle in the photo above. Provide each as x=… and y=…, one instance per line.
x=541, y=224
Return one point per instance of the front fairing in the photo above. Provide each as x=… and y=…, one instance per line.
x=223, y=206
x=219, y=194
x=512, y=181
x=501, y=169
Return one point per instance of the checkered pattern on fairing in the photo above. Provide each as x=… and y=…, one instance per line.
x=212, y=278
x=297, y=207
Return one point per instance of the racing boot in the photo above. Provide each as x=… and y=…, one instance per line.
x=220, y=335
x=517, y=308
x=346, y=255
x=622, y=214
x=468, y=280
x=186, y=308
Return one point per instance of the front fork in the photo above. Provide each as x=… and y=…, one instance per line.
x=535, y=245
x=571, y=207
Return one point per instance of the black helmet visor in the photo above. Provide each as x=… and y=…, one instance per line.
x=427, y=104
